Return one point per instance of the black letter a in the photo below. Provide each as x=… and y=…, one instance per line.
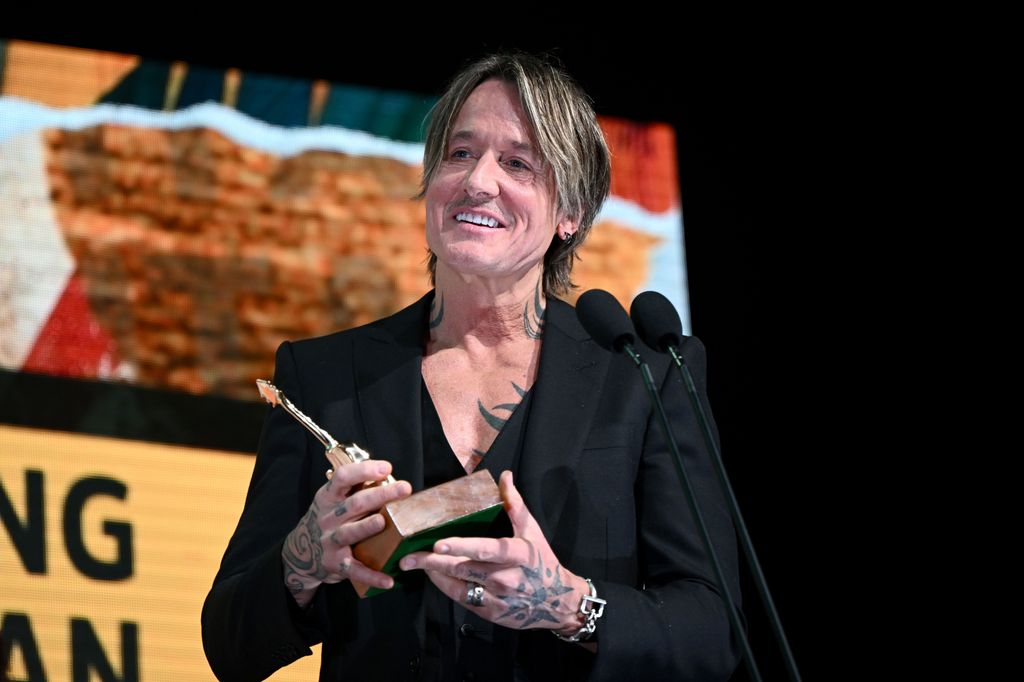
x=87, y=654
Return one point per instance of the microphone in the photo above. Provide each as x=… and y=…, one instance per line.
x=657, y=321
x=658, y=324
x=606, y=321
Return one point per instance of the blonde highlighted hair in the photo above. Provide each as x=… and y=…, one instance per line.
x=566, y=130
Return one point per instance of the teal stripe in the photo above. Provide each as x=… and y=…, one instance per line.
x=384, y=113
x=275, y=99
x=282, y=100
x=144, y=86
x=3, y=62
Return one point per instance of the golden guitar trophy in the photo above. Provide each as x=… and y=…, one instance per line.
x=464, y=506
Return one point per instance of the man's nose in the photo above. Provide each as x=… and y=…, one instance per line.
x=482, y=180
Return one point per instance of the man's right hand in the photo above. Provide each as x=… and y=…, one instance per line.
x=343, y=513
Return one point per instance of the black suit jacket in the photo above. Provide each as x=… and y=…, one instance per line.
x=595, y=471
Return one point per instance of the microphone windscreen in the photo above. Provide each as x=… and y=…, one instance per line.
x=656, y=320
x=605, y=320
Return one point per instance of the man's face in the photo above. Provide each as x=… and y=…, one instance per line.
x=490, y=208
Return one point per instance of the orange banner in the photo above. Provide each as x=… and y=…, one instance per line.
x=107, y=552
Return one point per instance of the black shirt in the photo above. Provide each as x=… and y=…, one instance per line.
x=457, y=644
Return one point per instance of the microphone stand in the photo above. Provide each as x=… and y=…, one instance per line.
x=734, y=508
x=734, y=618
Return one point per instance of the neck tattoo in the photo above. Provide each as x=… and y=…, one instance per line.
x=436, y=318
x=533, y=322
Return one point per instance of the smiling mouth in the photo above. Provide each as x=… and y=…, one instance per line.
x=476, y=219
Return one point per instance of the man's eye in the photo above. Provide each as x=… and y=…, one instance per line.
x=518, y=165
x=460, y=154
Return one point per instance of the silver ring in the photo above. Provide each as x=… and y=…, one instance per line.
x=474, y=594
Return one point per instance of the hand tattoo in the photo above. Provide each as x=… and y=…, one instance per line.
x=530, y=604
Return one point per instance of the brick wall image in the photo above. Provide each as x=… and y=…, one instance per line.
x=199, y=256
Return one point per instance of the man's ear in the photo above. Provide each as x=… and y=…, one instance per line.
x=566, y=228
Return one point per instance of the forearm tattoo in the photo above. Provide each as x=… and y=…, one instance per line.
x=303, y=553
x=533, y=323
x=534, y=602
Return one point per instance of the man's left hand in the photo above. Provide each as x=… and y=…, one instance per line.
x=524, y=586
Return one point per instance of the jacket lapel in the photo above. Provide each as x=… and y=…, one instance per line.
x=388, y=361
x=571, y=372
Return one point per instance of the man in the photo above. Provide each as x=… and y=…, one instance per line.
x=488, y=370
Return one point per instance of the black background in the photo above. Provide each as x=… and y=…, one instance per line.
x=766, y=121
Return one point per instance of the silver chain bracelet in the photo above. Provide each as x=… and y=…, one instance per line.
x=591, y=608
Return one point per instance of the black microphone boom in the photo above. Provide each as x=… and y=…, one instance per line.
x=607, y=322
x=658, y=324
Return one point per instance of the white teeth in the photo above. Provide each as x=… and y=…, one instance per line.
x=476, y=219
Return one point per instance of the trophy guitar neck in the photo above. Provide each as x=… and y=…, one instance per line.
x=337, y=453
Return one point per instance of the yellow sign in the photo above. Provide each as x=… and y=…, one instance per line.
x=107, y=550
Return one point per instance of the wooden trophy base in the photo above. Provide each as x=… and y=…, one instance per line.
x=464, y=506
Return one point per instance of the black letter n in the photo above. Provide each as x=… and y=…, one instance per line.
x=29, y=538
x=87, y=654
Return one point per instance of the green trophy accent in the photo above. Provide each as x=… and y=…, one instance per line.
x=465, y=506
